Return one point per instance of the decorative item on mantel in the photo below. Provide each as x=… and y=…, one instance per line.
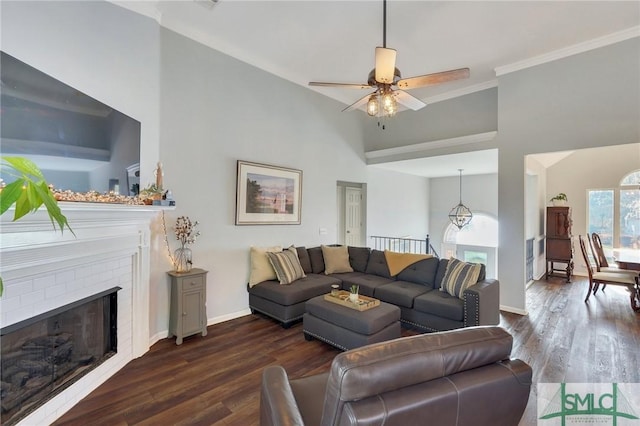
x=559, y=200
x=155, y=194
x=185, y=233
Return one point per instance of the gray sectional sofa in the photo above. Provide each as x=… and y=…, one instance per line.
x=415, y=290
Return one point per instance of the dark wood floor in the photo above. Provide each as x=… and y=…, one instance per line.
x=216, y=379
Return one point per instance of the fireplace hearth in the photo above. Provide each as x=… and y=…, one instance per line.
x=45, y=354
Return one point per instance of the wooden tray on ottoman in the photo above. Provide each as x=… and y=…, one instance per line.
x=342, y=298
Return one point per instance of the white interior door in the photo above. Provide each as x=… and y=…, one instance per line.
x=353, y=216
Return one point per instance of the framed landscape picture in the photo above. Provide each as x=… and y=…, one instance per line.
x=268, y=195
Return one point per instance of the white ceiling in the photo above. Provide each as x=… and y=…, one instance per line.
x=334, y=41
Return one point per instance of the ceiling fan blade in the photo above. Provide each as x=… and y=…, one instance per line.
x=385, y=65
x=431, y=79
x=409, y=100
x=357, y=104
x=341, y=85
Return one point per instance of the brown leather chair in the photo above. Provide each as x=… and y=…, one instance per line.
x=459, y=377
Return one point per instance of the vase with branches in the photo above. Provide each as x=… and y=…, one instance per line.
x=186, y=234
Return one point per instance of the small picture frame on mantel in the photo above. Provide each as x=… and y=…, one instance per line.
x=268, y=195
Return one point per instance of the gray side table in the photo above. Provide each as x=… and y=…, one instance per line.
x=188, y=313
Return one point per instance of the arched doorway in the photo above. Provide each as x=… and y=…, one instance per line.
x=477, y=242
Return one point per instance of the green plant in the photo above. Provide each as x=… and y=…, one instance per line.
x=28, y=193
x=151, y=190
x=354, y=289
x=560, y=196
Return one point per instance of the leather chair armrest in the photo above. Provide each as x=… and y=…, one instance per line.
x=482, y=303
x=277, y=403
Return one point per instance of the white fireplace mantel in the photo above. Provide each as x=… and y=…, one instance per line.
x=31, y=246
x=43, y=268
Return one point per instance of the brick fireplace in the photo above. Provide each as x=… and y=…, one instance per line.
x=43, y=270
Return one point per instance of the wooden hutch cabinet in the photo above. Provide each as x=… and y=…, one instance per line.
x=559, y=245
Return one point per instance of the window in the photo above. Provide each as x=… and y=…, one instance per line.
x=481, y=231
x=601, y=215
x=476, y=242
x=615, y=215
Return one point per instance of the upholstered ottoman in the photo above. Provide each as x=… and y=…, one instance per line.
x=347, y=328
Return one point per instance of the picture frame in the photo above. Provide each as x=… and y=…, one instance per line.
x=268, y=195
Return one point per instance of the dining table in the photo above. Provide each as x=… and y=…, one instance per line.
x=627, y=258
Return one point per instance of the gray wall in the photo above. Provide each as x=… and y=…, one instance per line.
x=462, y=116
x=586, y=100
x=217, y=110
x=479, y=193
x=398, y=204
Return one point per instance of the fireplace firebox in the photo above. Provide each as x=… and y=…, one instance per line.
x=45, y=354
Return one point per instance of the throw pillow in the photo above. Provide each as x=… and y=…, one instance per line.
x=336, y=259
x=261, y=269
x=287, y=265
x=305, y=260
x=459, y=276
x=315, y=257
x=377, y=264
x=359, y=257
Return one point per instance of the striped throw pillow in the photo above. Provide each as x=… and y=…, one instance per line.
x=287, y=265
x=459, y=276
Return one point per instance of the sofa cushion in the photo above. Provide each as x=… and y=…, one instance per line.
x=377, y=264
x=305, y=261
x=336, y=259
x=396, y=262
x=286, y=265
x=440, y=303
x=317, y=261
x=345, y=277
x=400, y=293
x=359, y=257
x=459, y=276
x=367, y=283
x=261, y=269
x=422, y=272
x=299, y=291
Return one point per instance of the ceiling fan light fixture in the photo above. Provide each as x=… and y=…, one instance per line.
x=389, y=103
x=387, y=82
x=372, y=105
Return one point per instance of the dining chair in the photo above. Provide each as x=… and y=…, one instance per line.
x=614, y=278
x=598, y=253
x=595, y=244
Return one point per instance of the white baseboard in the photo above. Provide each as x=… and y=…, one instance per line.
x=210, y=321
x=158, y=336
x=514, y=310
x=227, y=317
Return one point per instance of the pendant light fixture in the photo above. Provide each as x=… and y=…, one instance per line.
x=460, y=215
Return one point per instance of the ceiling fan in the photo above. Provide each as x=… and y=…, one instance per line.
x=388, y=83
